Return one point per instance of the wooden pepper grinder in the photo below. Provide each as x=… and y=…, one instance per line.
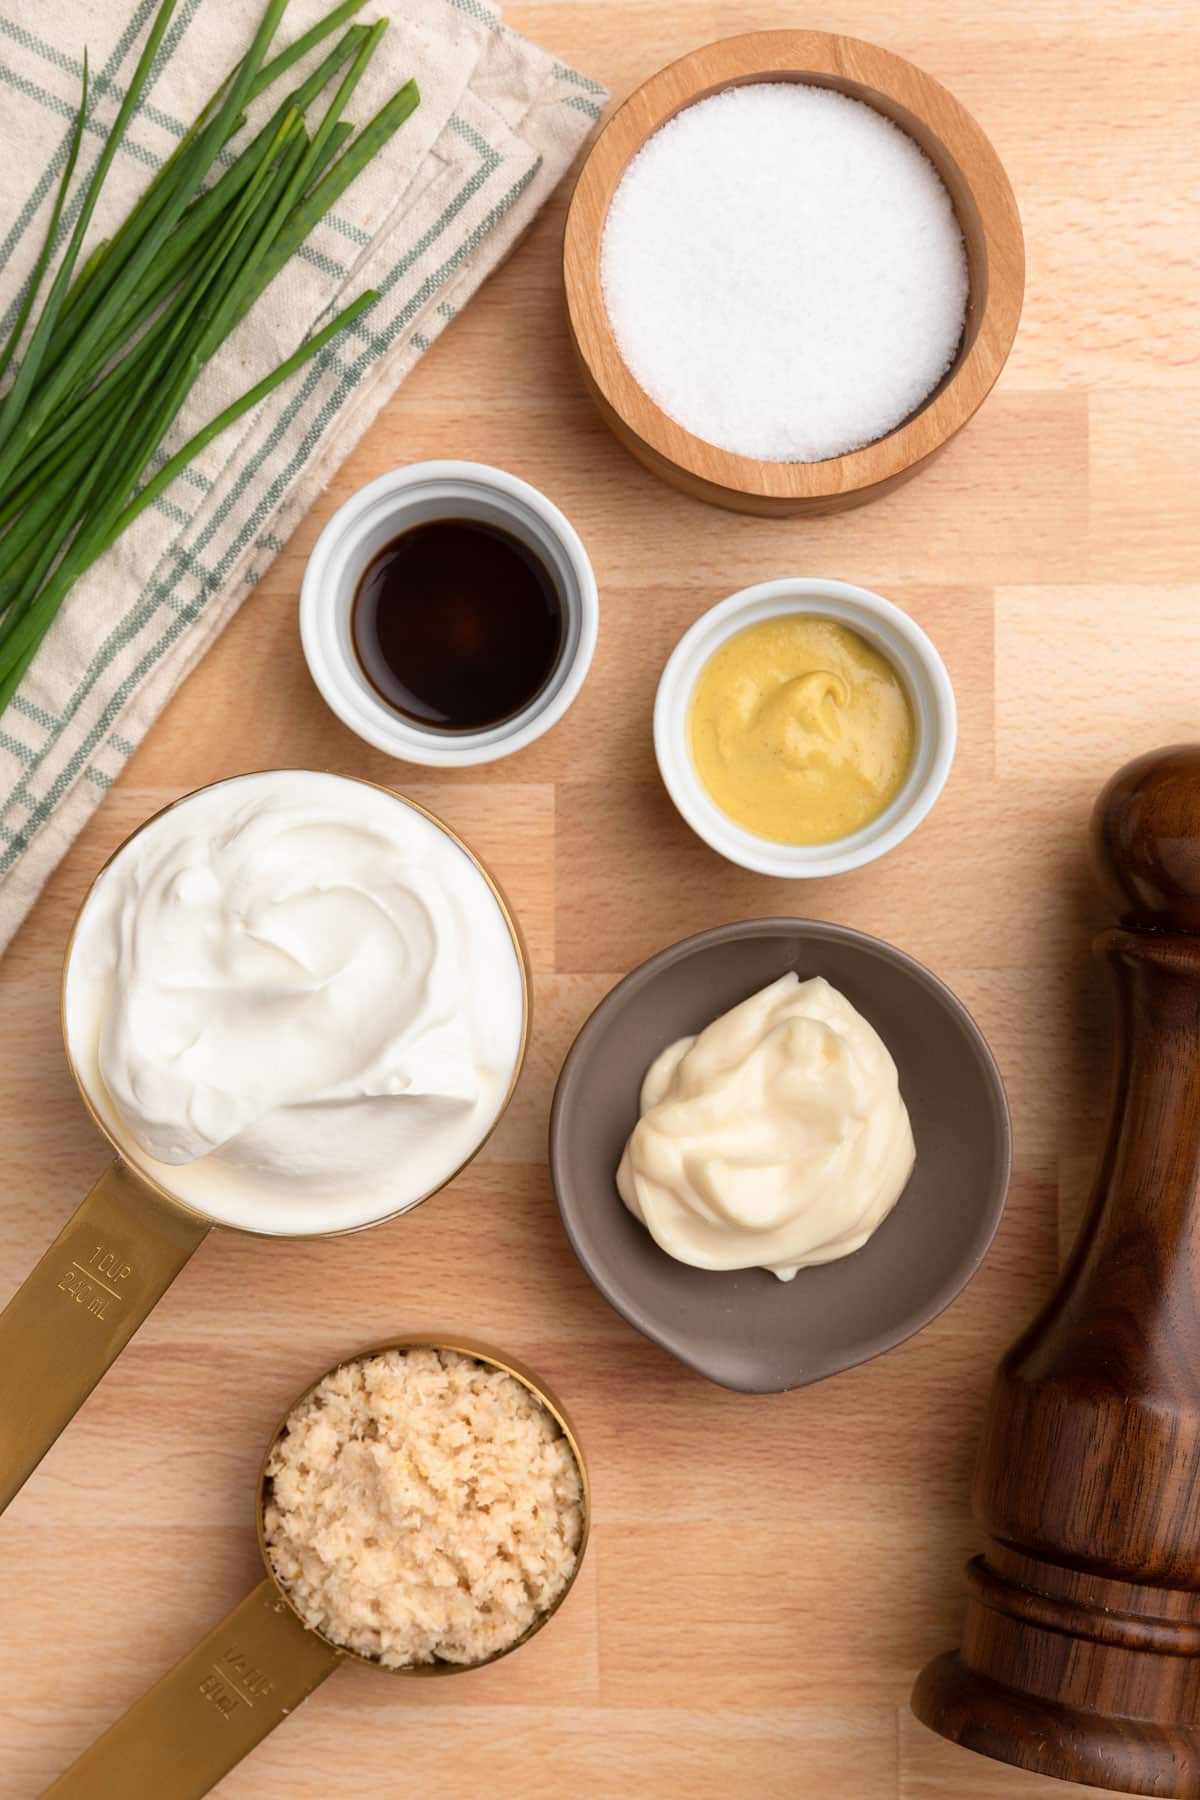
x=1081, y=1649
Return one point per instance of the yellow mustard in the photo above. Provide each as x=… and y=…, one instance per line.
x=800, y=731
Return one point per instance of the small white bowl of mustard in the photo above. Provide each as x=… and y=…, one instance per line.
x=804, y=727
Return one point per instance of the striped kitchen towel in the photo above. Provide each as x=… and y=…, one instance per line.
x=499, y=123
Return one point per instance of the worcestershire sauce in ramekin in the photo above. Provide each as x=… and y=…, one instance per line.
x=457, y=624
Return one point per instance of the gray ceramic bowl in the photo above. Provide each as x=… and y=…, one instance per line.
x=748, y=1330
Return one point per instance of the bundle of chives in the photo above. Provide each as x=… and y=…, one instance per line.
x=117, y=347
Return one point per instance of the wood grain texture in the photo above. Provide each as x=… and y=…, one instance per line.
x=766, y=1575
x=987, y=213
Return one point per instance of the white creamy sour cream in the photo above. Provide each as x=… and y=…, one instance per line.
x=775, y=1140
x=296, y=1001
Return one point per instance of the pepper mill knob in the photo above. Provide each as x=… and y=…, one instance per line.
x=1146, y=841
x=1080, y=1654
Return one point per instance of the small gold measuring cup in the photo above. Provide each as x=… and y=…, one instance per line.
x=117, y=1255
x=261, y=1661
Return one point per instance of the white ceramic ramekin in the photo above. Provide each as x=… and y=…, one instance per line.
x=359, y=530
x=891, y=632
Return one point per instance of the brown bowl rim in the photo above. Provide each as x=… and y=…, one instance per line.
x=781, y=55
x=816, y=931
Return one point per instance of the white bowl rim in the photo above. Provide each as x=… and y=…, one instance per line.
x=344, y=690
x=889, y=628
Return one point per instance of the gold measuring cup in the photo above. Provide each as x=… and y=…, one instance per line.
x=118, y=1254
x=260, y=1662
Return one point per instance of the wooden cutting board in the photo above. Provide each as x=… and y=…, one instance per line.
x=766, y=1575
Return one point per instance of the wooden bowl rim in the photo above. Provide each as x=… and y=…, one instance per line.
x=772, y=55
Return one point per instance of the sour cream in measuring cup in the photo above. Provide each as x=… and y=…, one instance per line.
x=297, y=1001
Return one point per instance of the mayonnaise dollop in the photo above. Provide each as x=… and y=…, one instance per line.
x=297, y=1001
x=775, y=1139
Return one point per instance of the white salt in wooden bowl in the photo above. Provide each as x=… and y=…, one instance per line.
x=983, y=203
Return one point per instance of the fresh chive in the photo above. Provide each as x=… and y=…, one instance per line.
x=247, y=401
x=73, y=371
x=17, y=397
x=331, y=187
x=301, y=177
x=148, y=206
x=47, y=454
x=145, y=297
x=207, y=205
x=333, y=147
x=315, y=35
x=116, y=349
x=20, y=645
x=47, y=249
x=181, y=334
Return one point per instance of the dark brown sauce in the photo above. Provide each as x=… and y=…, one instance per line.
x=457, y=625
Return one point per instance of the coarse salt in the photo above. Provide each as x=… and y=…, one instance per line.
x=784, y=272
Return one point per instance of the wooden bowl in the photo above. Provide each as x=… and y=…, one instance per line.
x=983, y=202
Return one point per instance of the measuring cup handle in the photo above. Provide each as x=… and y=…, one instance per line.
x=79, y=1308
x=194, y=1725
